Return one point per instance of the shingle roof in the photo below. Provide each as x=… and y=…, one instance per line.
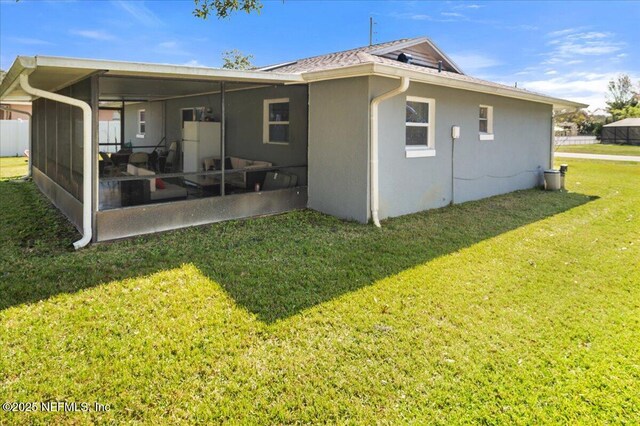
x=627, y=122
x=345, y=58
x=363, y=55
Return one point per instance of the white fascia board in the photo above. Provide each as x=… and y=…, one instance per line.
x=22, y=64
x=371, y=69
x=165, y=70
x=442, y=80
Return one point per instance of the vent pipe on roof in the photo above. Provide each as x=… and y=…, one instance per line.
x=439, y=66
x=405, y=58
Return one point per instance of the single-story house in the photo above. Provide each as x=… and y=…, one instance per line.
x=623, y=132
x=363, y=134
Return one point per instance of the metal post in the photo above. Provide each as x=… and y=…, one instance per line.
x=222, y=136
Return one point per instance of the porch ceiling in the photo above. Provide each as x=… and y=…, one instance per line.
x=149, y=89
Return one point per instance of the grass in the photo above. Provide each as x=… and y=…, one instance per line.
x=12, y=167
x=519, y=309
x=601, y=149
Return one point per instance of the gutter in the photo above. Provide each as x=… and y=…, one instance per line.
x=6, y=108
x=384, y=70
x=375, y=102
x=86, y=166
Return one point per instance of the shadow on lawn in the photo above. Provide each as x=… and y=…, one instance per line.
x=274, y=266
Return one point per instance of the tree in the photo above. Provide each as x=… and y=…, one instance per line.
x=621, y=93
x=628, y=111
x=236, y=60
x=224, y=8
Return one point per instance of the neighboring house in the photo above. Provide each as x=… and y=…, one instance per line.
x=624, y=132
x=566, y=129
x=364, y=134
x=15, y=110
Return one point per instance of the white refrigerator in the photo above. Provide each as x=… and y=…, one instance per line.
x=200, y=140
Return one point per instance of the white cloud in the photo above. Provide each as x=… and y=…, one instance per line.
x=586, y=87
x=468, y=6
x=30, y=41
x=140, y=12
x=472, y=62
x=193, y=63
x=572, y=43
x=453, y=14
x=171, y=47
x=94, y=34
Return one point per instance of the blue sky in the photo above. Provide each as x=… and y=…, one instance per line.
x=565, y=49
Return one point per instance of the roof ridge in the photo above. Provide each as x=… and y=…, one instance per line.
x=364, y=49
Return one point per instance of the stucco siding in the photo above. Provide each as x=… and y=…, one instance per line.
x=338, y=148
x=513, y=160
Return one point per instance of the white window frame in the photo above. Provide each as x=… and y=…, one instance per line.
x=488, y=136
x=429, y=149
x=140, y=133
x=267, y=123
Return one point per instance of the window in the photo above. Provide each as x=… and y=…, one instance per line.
x=192, y=114
x=276, y=121
x=420, y=127
x=486, y=123
x=142, y=123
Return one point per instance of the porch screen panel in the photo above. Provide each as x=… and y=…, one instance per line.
x=51, y=132
x=42, y=135
x=82, y=91
x=64, y=177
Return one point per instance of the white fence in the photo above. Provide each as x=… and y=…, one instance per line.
x=576, y=140
x=14, y=137
x=109, y=132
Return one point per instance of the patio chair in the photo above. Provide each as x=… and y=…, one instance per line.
x=139, y=159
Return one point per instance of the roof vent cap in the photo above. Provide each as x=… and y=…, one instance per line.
x=405, y=58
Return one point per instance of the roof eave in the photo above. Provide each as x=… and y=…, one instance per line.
x=21, y=65
x=166, y=70
x=383, y=70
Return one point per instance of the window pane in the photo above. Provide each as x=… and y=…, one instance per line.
x=483, y=126
x=417, y=112
x=142, y=116
x=417, y=135
x=278, y=133
x=483, y=112
x=279, y=112
x=143, y=127
x=187, y=115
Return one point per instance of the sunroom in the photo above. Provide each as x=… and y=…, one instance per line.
x=170, y=146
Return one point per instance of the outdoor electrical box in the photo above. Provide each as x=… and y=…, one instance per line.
x=455, y=132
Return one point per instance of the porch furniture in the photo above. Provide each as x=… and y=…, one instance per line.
x=120, y=158
x=139, y=159
x=170, y=160
x=279, y=180
x=145, y=191
x=243, y=179
x=246, y=179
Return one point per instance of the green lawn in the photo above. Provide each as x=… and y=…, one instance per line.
x=11, y=167
x=601, y=149
x=519, y=309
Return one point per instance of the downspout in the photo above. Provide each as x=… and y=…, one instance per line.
x=6, y=108
x=87, y=149
x=375, y=102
